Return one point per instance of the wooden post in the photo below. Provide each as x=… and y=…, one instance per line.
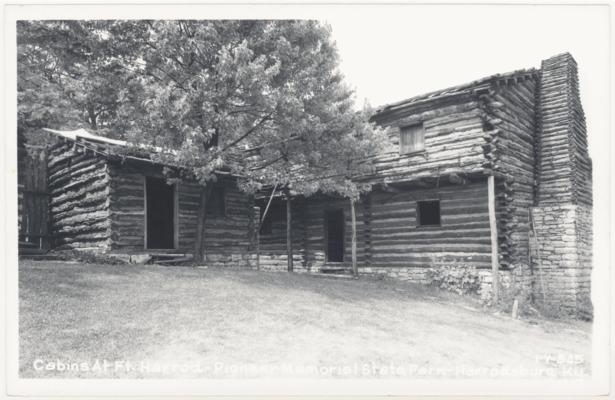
x=258, y=239
x=367, y=231
x=495, y=282
x=353, y=217
x=289, y=240
x=261, y=219
x=199, y=245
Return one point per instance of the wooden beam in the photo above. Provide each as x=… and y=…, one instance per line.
x=494, y=238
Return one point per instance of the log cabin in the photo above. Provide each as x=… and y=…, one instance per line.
x=493, y=174
x=107, y=200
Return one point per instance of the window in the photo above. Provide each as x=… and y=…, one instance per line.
x=275, y=214
x=411, y=139
x=266, y=224
x=428, y=213
x=216, y=201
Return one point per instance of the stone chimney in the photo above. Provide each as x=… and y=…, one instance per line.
x=562, y=214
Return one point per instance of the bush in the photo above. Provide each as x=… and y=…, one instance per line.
x=459, y=279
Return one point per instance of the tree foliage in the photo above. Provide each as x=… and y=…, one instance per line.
x=261, y=99
x=72, y=74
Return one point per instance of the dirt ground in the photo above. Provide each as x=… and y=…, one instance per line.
x=104, y=321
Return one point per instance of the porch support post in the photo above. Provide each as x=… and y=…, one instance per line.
x=261, y=219
x=257, y=210
x=289, y=241
x=495, y=267
x=353, y=218
x=199, y=245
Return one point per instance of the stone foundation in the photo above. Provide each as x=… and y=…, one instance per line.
x=278, y=263
x=516, y=282
x=416, y=275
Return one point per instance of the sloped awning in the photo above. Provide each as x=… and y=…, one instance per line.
x=83, y=134
x=107, y=147
x=117, y=149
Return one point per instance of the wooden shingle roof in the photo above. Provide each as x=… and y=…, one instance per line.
x=459, y=89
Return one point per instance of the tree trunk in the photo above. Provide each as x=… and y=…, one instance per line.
x=92, y=117
x=289, y=240
x=353, y=217
x=199, y=243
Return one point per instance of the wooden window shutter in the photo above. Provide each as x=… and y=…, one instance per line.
x=411, y=139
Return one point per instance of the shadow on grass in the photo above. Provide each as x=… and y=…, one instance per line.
x=366, y=288
x=79, y=280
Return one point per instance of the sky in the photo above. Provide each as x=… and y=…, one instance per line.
x=389, y=53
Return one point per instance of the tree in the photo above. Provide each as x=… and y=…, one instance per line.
x=262, y=99
x=73, y=74
x=342, y=161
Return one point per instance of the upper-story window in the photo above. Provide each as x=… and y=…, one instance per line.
x=411, y=139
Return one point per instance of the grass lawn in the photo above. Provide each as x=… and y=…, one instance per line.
x=159, y=322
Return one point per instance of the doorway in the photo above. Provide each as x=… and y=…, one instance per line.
x=334, y=228
x=160, y=214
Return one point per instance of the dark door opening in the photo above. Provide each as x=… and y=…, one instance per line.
x=160, y=202
x=334, y=221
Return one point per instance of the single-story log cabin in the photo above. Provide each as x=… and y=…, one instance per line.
x=107, y=200
x=494, y=174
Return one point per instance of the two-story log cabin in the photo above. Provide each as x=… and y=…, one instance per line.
x=494, y=174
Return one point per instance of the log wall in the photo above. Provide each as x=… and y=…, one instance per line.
x=273, y=254
x=463, y=237
x=127, y=205
x=228, y=237
x=98, y=204
x=512, y=106
x=453, y=140
x=79, y=185
x=388, y=238
x=316, y=243
x=309, y=236
x=33, y=198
